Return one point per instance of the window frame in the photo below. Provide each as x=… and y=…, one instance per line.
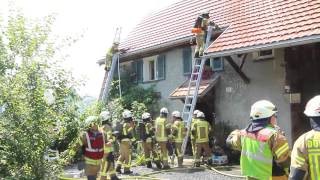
x=262, y=57
x=146, y=68
x=216, y=69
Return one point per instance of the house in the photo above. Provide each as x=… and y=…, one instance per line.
x=266, y=49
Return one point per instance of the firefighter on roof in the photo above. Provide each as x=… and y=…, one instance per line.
x=111, y=51
x=200, y=30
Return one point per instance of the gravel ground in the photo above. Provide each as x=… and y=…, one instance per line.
x=185, y=173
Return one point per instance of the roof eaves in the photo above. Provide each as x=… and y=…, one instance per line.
x=280, y=44
x=156, y=47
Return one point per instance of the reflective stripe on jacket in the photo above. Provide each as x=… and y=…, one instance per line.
x=161, y=133
x=179, y=127
x=95, y=144
x=256, y=155
x=202, y=129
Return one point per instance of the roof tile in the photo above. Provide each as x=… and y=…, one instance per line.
x=253, y=22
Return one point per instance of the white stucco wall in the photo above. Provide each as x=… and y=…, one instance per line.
x=267, y=82
x=173, y=78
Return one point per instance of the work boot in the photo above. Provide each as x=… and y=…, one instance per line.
x=158, y=164
x=196, y=54
x=209, y=162
x=149, y=165
x=114, y=178
x=118, y=169
x=196, y=164
x=166, y=167
x=127, y=172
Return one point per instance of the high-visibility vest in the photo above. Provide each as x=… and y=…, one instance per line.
x=148, y=127
x=179, y=126
x=313, y=150
x=95, y=144
x=202, y=131
x=256, y=155
x=161, y=133
x=193, y=122
x=108, y=146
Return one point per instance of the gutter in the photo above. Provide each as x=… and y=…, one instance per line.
x=157, y=47
x=280, y=44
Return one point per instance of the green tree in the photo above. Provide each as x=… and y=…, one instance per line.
x=37, y=97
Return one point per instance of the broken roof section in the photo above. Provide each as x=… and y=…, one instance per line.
x=252, y=23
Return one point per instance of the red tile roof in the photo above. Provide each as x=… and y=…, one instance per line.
x=262, y=22
x=204, y=88
x=252, y=22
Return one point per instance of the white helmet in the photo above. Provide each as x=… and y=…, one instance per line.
x=262, y=109
x=164, y=110
x=126, y=114
x=200, y=114
x=204, y=11
x=176, y=114
x=104, y=116
x=146, y=115
x=195, y=112
x=313, y=107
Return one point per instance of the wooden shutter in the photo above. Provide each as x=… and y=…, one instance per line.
x=161, y=66
x=187, y=60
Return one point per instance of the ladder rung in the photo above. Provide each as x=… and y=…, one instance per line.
x=188, y=104
x=190, y=97
x=186, y=112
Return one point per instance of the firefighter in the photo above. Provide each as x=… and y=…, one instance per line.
x=305, y=157
x=264, y=150
x=147, y=141
x=126, y=139
x=200, y=30
x=178, y=133
x=92, y=145
x=111, y=51
x=107, y=166
x=200, y=130
x=193, y=139
x=162, y=128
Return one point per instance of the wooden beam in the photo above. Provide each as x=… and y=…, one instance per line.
x=237, y=69
x=243, y=60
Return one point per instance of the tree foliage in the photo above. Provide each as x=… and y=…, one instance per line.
x=37, y=97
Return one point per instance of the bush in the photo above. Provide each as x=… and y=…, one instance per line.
x=37, y=97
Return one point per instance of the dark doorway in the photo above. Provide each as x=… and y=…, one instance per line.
x=303, y=77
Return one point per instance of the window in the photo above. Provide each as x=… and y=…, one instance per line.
x=217, y=63
x=137, y=67
x=187, y=60
x=154, y=68
x=265, y=54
